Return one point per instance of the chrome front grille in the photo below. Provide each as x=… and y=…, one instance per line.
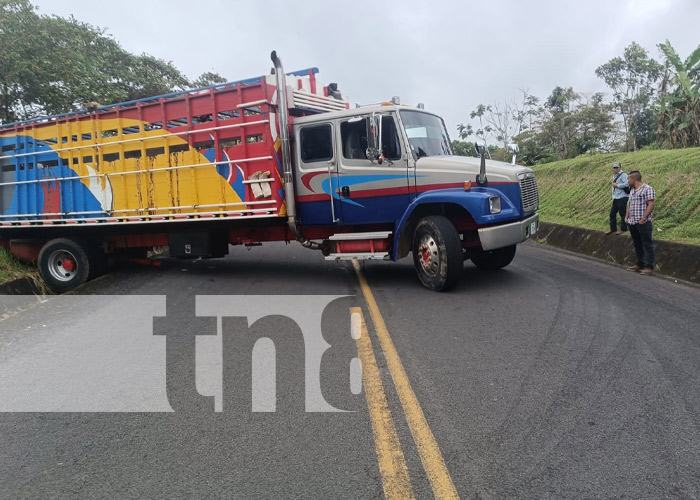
x=529, y=193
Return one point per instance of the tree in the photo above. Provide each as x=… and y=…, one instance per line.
x=533, y=149
x=679, y=108
x=146, y=76
x=567, y=125
x=503, y=121
x=208, y=78
x=465, y=131
x=632, y=79
x=51, y=64
x=558, y=126
x=464, y=148
x=15, y=25
x=572, y=125
x=595, y=126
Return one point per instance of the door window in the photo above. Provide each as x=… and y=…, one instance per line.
x=391, y=147
x=354, y=139
x=316, y=143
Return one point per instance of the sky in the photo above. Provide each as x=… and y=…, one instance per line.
x=450, y=55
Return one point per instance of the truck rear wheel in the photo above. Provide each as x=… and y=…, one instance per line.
x=63, y=264
x=495, y=259
x=437, y=253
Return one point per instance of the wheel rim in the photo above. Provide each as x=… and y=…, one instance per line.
x=63, y=265
x=428, y=255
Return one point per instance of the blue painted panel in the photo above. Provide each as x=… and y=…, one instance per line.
x=368, y=210
x=376, y=209
x=373, y=210
x=475, y=201
x=52, y=195
x=315, y=213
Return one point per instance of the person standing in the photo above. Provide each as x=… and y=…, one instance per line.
x=620, y=197
x=639, y=217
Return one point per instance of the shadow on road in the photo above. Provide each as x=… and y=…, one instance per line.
x=390, y=275
x=296, y=274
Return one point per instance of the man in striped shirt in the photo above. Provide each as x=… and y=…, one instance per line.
x=639, y=218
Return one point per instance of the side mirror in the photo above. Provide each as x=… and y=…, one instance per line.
x=374, y=138
x=514, y=150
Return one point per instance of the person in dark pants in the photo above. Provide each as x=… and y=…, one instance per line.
x=620, y=196
x=639, y=217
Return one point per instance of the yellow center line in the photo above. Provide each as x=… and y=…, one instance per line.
x=392, y=463
x=430, y=455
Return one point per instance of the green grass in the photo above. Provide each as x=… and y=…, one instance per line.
x=577, y=192
x=11, y=269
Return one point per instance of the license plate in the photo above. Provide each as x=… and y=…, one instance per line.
x=533, y=228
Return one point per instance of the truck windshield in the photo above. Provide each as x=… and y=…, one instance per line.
x=426, y=134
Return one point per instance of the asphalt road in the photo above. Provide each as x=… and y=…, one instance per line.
x=558, y=377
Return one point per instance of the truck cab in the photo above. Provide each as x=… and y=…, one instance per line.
x=388, y=172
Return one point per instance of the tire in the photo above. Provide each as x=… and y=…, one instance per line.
x=495, y=259
x=63, y=264
x=97, y=260
x=437, y=253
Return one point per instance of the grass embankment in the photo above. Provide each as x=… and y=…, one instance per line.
x=11, y=269
x=577, y=192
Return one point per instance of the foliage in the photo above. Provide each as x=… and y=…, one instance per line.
x=564, y=126
x=464, y=148
x=577, y=191
x=679, y=106
x=567, y=125
x=632, y=79
x=207, y=79
x=11, y=269
x=503, y=120
x=573, y=125
x=532, y=149
x=51, y=64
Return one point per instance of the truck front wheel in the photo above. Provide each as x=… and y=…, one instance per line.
x=63, y=264
x=495, y=259
x=437, y=253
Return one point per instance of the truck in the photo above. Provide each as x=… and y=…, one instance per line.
x=280, y=157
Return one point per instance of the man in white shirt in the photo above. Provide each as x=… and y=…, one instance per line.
x=620, y=197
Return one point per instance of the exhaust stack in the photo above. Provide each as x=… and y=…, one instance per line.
x=282, y=110
x=481, y=179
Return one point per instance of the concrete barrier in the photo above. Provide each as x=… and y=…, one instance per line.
x=676, y=260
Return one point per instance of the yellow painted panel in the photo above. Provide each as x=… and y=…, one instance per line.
x=144, y=187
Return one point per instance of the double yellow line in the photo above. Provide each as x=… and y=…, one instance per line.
x=392, y=463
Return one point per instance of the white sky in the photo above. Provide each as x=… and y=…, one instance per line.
x=451, y=55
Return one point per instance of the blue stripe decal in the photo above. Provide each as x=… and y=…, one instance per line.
x=352, y=180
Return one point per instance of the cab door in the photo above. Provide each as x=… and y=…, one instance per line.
x=317, y=176
x=371, y=191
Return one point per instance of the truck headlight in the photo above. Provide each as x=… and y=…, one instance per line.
x=495, y=204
